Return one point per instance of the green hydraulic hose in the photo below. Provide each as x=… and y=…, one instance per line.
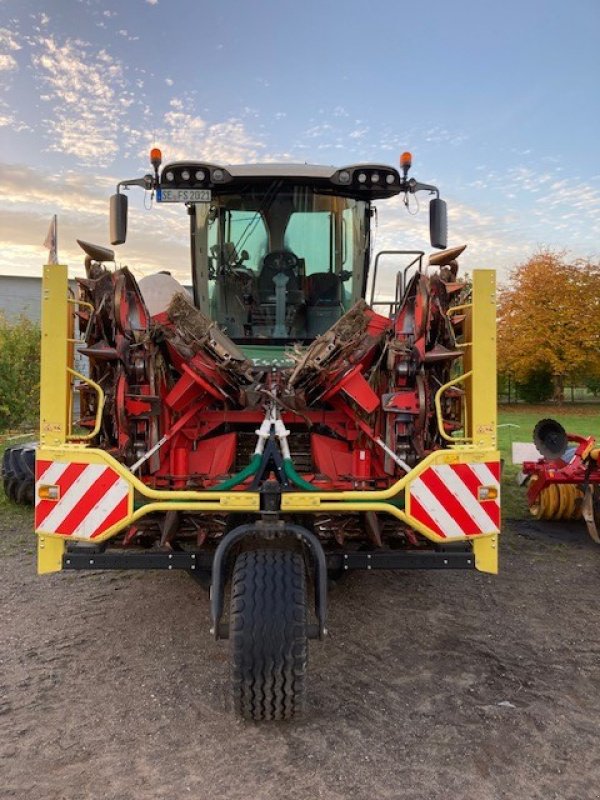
x=290, y=472
x=239, y=476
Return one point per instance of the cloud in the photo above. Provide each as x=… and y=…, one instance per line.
x=187, y=135
x=9, y=44
x=83, y=87
x=126, y=35
x=158, y=238
x=152, y=2
x=70, y=191
x=7, y=62
x=358, y=133
x=9, y=40
x=540, y=204
x=9, y=120
x=149, y=248
x=493, y=241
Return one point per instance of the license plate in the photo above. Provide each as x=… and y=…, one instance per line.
x=184, y=196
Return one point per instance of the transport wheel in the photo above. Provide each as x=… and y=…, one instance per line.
x=11, y=485
x=25, y=492
x=591, y=511
x=268, y=634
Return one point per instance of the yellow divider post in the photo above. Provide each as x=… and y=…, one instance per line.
x=480, y=360
x=54, y=387
x=54, y=381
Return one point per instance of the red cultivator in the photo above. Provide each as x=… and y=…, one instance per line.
x=565, y=483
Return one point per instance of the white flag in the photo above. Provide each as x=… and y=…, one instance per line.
x=50, y=242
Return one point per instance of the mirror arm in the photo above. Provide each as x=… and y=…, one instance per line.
x=414, y=186
x=147, y=182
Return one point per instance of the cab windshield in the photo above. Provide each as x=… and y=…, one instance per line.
x=279, y=261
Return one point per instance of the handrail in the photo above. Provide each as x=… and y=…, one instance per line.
x=99, y=410
x=75, y=302
x=438, y=409
x=462, y=307
x=101, y=399
x=373, y=275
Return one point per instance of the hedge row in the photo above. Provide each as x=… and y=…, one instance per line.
x=19, y=373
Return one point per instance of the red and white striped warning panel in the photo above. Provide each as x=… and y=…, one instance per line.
x=456, y=500
x=79, y=500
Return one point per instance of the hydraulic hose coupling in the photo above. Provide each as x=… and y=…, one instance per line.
x=272, y=423
x=281, y=432
x=264, y=432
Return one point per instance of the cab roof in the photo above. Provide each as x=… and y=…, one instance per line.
x=364, y=181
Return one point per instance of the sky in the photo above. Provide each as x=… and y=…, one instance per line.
x=499, y=102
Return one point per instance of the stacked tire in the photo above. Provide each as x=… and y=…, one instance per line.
x=18, y=473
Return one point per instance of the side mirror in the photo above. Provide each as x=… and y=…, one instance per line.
x=118, y=218
x=438, y=223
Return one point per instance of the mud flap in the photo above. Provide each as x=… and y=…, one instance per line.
x=50, y=552
x=485, y=549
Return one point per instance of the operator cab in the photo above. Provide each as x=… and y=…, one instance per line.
x=278, y=259
x=279, y=251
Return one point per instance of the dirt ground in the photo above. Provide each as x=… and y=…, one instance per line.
x=452, y=686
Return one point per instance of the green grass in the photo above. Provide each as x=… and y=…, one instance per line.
x=580, y=419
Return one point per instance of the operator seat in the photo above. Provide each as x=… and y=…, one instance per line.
x=324, y=289
x=324, y=302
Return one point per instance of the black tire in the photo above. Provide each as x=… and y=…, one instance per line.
x=10, y=488
x=268, y=634
x=25, y=493
x=18, y=473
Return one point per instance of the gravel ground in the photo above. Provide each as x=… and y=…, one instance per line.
x=452, y=686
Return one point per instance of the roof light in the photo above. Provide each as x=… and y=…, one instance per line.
x=405, y=163
x=185, y=175
x=375, y=177
x=361, y=177
x=390, y=177
x=344, y=176
x=200, y=175
x=170, y=176
x=155, y=157
x=218, y=175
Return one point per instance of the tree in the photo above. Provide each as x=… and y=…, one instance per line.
x=537, y=386
x=549, y=318
x=19, y=372
x=592, y=384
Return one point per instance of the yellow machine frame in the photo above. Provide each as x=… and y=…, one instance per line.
x=59, y=443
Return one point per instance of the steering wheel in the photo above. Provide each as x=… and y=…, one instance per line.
x=281, y=261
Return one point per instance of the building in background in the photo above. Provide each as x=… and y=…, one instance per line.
x=21, y=295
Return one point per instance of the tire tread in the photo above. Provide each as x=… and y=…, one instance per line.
x=268, y=634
